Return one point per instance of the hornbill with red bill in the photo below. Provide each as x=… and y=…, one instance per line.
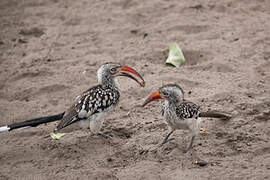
x=180, y=113
x=92, y=105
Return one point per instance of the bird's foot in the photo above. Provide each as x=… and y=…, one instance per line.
x=165, y=141
x=189, y=145
x=107, y=136
x=185, y=151
x=203, y=131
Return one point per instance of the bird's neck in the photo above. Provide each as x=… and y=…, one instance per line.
x=109, y=81
x=168, y=107
x=173, y=101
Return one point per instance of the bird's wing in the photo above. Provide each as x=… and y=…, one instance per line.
x=187, y=109
x=92, y=101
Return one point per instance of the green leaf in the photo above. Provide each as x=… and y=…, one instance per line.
x=176, y=56
x=57, y=136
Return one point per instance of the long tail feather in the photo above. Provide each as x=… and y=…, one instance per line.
x=4, y=128
x=32, y=122
x=212, y=114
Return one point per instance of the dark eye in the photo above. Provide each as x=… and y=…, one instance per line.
x=165, y=93
x=113, y=70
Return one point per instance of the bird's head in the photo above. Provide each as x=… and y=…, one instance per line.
x=170, y=92
x=108, y=71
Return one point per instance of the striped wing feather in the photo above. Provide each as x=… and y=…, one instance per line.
x=187, y=109
x=92, y=101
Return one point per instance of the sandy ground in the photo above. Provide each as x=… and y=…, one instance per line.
x=50, y=51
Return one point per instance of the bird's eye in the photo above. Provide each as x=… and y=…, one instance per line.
x=113, y=70
x=165, y=93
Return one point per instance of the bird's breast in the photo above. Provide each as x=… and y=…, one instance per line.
x=172, y=119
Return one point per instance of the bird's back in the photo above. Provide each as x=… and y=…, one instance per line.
x=180, y=115
x=95, y=100
x=187, y=109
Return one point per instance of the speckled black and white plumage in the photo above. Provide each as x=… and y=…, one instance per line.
x=178, y=113
x=98, y=99
x=92, y=105
x=181, y=115
x=187, y=109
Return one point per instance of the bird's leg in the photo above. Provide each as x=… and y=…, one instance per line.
x=165, y=139
x=189, y=145
x=95, y=127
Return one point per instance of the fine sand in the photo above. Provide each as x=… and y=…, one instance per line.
x=50, y=51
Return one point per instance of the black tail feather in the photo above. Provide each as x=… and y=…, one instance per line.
x=36, y=122
x=212, y=114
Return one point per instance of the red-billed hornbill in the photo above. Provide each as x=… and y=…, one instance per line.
x=99, y=100
x=179, y=113
x=92, y=105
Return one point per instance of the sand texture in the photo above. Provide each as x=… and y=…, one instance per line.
x=50, y=51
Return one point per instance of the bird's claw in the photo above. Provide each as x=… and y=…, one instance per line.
x=165, y=141
x=107, y=136
x=185, y=151
x=160, y=145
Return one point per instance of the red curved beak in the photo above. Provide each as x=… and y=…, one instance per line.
x=152, y=97
x=129, y=72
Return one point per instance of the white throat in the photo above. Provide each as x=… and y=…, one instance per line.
x=102, y=79
x=116, y=83
x=100, y=75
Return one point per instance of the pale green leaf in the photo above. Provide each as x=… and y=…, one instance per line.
x=176, y=56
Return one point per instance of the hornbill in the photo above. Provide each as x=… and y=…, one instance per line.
x=180, y=113
x=93, y=104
